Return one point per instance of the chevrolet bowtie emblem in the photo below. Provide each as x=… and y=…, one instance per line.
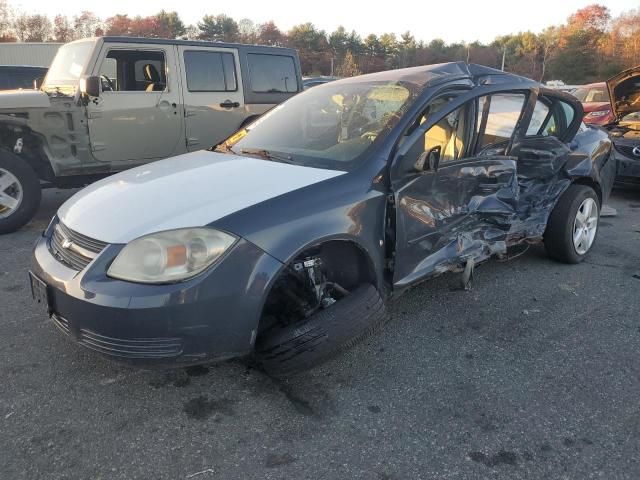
x=67, y=244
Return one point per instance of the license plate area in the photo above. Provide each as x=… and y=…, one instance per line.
x=39, y=292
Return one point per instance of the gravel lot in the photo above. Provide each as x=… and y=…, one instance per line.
x=534, y=373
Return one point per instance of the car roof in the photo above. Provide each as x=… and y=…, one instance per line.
x=427, y=75
x=23, y=67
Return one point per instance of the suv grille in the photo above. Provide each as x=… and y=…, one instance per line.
x=627, y=150
x=72, y=248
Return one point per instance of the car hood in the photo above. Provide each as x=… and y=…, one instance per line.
x=186, y=191
x=624, y=90
x=11, y=99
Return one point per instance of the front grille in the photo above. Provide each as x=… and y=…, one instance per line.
x=61, y=322
x=140, y=348
x=72, y=248
x=627, y=150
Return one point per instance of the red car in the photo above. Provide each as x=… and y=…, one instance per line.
x=596, y=103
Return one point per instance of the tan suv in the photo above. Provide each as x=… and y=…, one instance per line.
x=112, y=103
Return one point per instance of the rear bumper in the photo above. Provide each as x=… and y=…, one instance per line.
x=213, y=316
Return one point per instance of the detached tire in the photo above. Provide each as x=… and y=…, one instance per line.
x=20, y=192
x=314, y=340
x=573, y=225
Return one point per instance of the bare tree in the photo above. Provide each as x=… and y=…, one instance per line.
x=32, y=28
x=87, y=24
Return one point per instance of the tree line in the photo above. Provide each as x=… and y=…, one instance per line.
x=590, y=46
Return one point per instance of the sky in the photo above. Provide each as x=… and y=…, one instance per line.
x=451, y=20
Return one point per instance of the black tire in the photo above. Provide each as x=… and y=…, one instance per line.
x=308, y=343
x=558, y=237
x=31, y=192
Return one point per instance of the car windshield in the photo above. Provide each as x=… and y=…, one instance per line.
x=68, y=65
x=591, y=94
x=330, y=126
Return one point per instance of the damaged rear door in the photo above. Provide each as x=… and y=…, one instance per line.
x=455, y=187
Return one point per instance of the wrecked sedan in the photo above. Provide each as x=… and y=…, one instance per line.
x=624, y=90
x=286, y=240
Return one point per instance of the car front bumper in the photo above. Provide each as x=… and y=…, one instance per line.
x=212, y=316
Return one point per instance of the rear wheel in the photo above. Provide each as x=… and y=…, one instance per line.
x=20, y=192
x=573, y=225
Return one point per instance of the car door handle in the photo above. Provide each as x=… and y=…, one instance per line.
x=230, y=104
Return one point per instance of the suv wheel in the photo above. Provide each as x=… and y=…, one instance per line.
x=20, y=192
x=573, y=225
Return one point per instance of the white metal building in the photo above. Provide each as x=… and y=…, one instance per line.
x=35, y=54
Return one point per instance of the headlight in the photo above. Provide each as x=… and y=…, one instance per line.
x=599, y=113
x=170, y=256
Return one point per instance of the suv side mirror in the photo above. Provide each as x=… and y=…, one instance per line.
x=90, y=86
x=430, y=160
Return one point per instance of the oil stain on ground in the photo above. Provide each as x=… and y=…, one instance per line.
x=202, y=407
x=277, y=460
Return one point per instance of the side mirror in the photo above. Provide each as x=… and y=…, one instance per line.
x=429, y=161
x=90, y=86
x=37, y=83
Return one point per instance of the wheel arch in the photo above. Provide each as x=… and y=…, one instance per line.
x=336, y=247
x=590, y=182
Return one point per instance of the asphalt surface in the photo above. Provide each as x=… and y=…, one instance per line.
x=534, y=373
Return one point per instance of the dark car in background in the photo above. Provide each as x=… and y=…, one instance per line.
x=624, y=129
x=13, y=77
x=595, y=102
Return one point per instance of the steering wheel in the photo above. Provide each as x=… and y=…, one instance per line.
x=106, y=80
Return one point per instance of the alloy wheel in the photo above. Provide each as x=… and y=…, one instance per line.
x=585, y=226
x=11, y=193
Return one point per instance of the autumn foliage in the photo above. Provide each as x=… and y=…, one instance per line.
x=589, y=46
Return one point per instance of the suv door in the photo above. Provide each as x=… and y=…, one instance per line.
x=137, y=116
x=212, y=91
x=457, y=208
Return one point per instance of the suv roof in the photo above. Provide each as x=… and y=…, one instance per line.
x=193, y=43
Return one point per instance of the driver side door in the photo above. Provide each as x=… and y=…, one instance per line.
x=458, y=207
x=138, y=116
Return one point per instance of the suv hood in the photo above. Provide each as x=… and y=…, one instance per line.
x=190, y=190
x=624, y=90
x=12, y=99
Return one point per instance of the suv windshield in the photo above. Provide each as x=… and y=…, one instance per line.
x=593, y=94
x=331, y=126
x=68, y=65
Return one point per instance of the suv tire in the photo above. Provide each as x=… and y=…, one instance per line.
x=314, y=340
x=573, y=225
x=24, y=187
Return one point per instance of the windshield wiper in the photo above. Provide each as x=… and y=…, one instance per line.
x=267, y=154
x=223, y=148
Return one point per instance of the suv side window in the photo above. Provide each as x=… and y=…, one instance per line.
x=498, y=115
x=133, y=71
x=272, y=73
x=210, y=71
